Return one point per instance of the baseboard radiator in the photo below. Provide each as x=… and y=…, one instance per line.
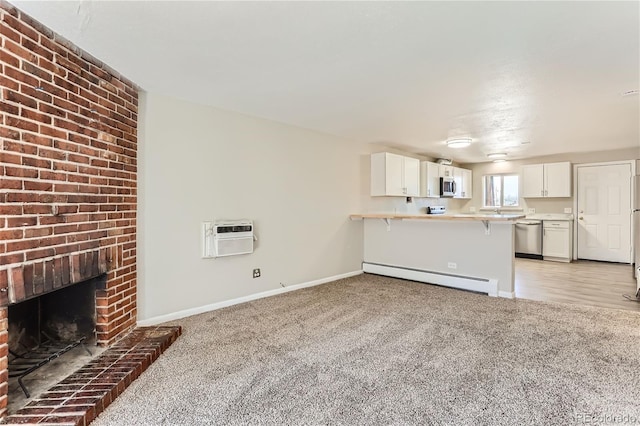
x=480, y=285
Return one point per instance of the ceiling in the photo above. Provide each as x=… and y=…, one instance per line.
x=525, y=78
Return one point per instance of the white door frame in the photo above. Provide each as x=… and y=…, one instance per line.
x=632, y=163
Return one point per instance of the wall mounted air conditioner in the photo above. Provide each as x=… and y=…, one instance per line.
x=227, y=238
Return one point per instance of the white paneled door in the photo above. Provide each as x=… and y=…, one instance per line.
x=604, y=212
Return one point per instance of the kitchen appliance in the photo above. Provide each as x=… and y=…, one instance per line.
x=636, y=232
x=447, y=187
x=529, y=238
x=436, y=210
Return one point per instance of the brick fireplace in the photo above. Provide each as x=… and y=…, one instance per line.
x=68, y=177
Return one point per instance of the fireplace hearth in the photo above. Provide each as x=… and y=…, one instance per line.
x=82, y=396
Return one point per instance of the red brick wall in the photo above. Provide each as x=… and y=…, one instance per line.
x=68, y=176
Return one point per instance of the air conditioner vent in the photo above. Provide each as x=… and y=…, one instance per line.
x=227, y=238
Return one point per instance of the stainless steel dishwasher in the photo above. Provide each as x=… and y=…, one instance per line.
x=529, y=238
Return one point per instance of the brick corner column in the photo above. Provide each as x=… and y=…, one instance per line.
x=4, y=360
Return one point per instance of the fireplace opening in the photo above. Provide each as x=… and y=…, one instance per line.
x=50, y=336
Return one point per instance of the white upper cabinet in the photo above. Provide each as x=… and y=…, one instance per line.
x=411, y=176
x=546, y=180
x=557, y=179
x=463, y=180
x=533, y=180
x=429, y=179
x=394, y=175
x=446, y=171
x=430, y=174
x=467, y=184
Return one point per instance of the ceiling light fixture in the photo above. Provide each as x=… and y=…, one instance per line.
x=459, y=143
x=499, y=160
x=497, y=155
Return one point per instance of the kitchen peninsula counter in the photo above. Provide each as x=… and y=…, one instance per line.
x=466, y=251
x=454, y=217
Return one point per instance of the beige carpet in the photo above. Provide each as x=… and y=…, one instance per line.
x=375, y=350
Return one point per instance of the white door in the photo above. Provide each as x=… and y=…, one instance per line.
x=604, y=212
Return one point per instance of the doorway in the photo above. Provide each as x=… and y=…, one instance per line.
x=603, y=206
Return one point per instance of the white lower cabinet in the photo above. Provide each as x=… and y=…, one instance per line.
x=557, y=240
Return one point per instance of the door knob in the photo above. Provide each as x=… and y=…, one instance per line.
x=581, y=218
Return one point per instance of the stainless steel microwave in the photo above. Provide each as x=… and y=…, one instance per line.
x=447, y=187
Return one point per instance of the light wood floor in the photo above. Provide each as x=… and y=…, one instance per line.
x=581, y=282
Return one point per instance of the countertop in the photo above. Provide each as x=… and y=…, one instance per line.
x=451, y=217
x=550, y=216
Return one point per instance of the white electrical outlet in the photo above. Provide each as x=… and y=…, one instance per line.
x=472, y=209
x=567, y=210
x=452, y=265
x=531, y=210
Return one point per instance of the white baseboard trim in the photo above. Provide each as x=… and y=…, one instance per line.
x=489, y=286
x=507, y=294
x=225, y=303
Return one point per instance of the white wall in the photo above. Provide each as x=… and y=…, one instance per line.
x=199, y=164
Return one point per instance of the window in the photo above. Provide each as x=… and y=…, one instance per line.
x=501, y=191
